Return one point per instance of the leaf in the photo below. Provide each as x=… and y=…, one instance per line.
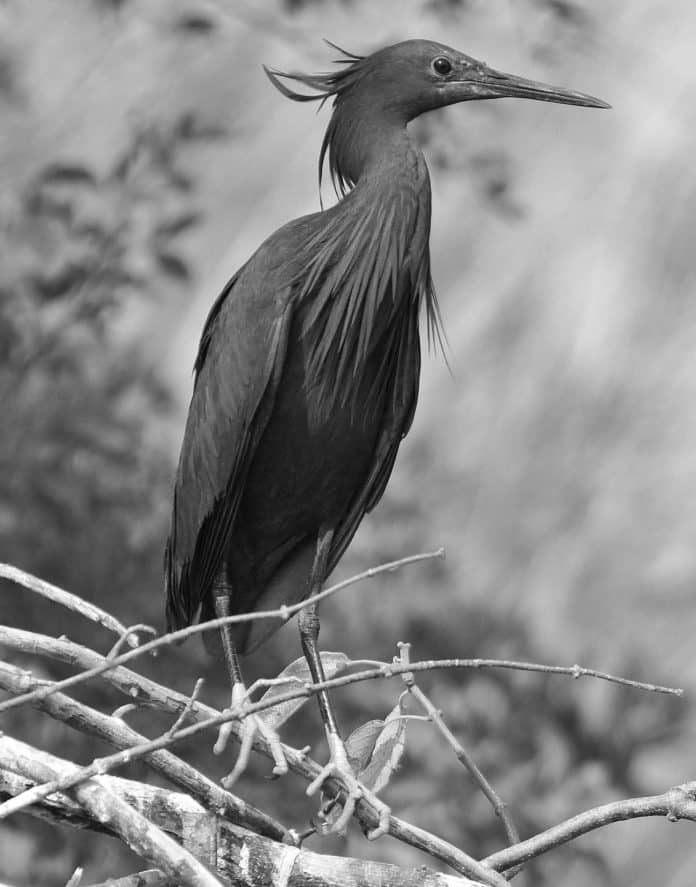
x=178, y=224
x=334, y=664
x=191, y=127
x=174, y=266
x=361, y=743
x=68, y=173
x=387, y=751
x=195, y=22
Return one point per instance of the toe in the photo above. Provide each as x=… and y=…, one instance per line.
x=223, y=738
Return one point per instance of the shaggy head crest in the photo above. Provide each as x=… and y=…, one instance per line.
x=329, y=84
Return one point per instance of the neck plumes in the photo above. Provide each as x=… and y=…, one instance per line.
x=364, y=139
x=368, y=260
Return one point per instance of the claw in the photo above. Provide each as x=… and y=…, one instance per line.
x=339, y=766
x=251, y=726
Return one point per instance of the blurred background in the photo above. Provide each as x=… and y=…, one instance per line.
x=143, y=157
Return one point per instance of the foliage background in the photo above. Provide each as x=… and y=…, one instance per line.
x=144, y=155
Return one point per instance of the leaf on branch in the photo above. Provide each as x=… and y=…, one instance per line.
x=196, y=23
x=173, y=265
x=298, y=673
x=179, y=223
x=383, y=758
x=361, y=743
x=68, y=173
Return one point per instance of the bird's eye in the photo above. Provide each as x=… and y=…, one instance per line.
x=442, y=66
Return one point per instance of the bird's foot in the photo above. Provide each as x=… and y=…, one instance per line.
x=339, y=766
x=251, y=726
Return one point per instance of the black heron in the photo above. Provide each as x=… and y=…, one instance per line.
x=306, y=378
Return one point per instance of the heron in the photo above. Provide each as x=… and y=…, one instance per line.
x=307, y=372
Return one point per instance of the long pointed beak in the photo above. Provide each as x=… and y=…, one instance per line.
x=486, y=83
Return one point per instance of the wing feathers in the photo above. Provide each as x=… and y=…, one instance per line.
x=232, y=401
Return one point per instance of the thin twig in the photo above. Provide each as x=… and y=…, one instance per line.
x=127, y=633
x=186, y=711
x=499, y=806
x=66, y=599
x=284, y=613
x=387, y=670
x=675, y=804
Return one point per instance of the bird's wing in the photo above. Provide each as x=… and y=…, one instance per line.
x=398, y=418
x=240, y=359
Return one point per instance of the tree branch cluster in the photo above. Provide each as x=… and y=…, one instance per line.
x=205, y=835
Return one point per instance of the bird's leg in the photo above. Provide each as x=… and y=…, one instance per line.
x=251, y=724
x=339, y=764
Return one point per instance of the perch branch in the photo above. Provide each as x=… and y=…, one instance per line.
x=283, y=613
x=71, y=777
x=134, y=685
x=387, y=670
x=227, y=846
x=138, y=687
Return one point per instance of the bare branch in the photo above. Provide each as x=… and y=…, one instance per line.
x=144, y=838
x=229, y=844
x=137, y=686
x=675, y=804
x=134, y=685
x=66, y=599
x=186, y=711
x=129, y=632
x=435, y=716
x=120, y=735
x=283, y=613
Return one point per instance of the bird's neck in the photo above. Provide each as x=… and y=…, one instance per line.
x=369, y=145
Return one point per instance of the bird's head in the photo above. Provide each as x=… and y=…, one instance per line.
x=409, y=78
